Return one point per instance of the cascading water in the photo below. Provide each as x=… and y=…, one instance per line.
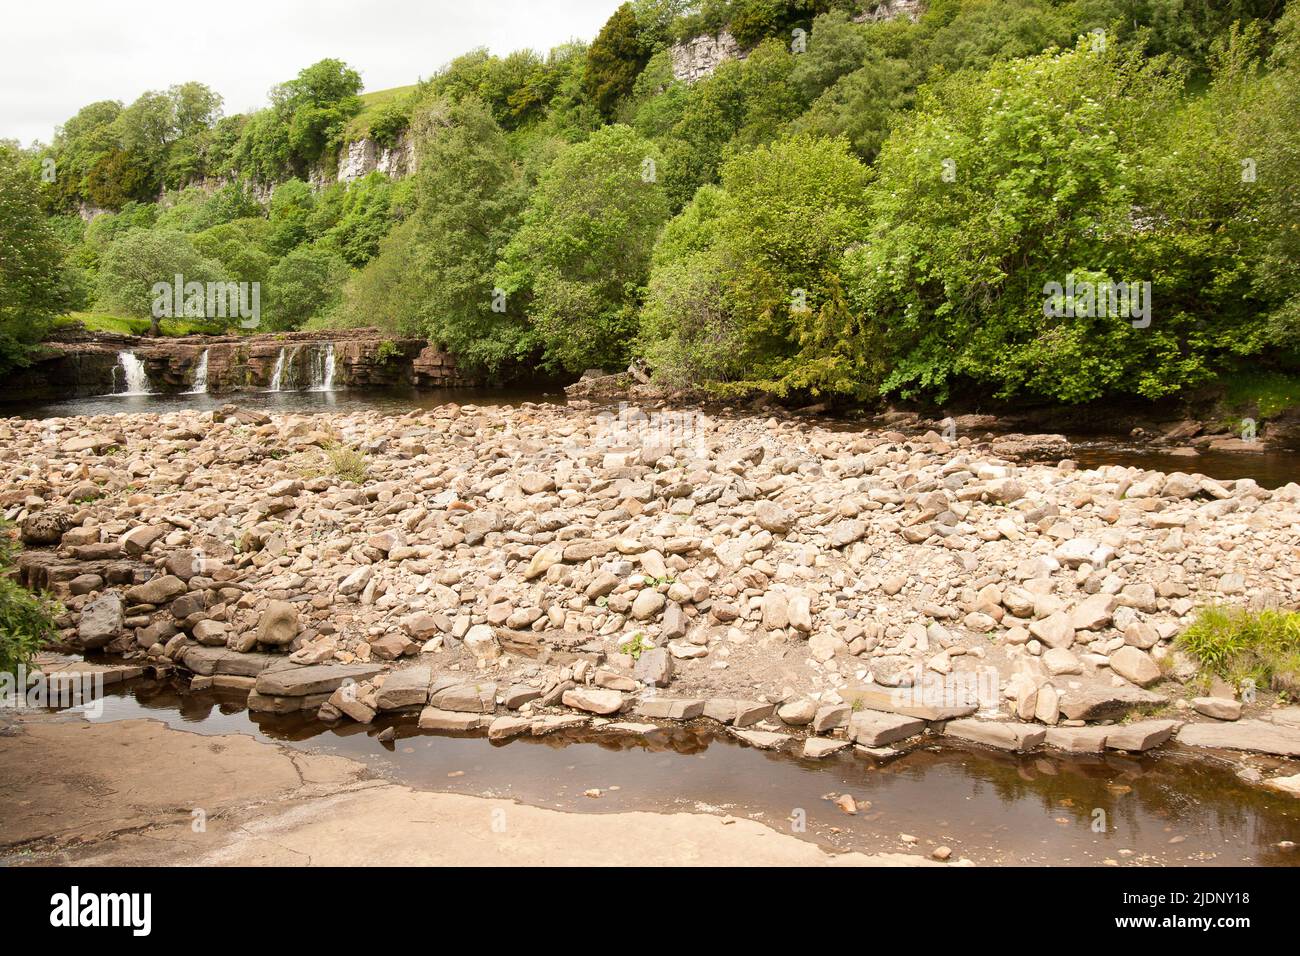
x=284, y=376
x=134, y=376
x=312, y=370
x=200, y=386
x=322, y=369
x=277, y=372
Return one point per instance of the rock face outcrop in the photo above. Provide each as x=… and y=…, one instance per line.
x=698, y=57
x=366, y=156
x=890, y=9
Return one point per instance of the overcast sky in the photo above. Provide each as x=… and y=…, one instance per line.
x=56, y=56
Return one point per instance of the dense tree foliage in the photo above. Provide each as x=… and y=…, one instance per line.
x=855, y=206
x=615, y=58
x=132, y=265
x=583, y=248
x=32, y=277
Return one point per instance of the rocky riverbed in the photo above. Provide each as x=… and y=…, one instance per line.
x=522, y=569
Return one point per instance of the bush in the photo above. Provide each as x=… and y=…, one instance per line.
x=26, y=619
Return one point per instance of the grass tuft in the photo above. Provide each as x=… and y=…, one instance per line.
x=1239, y=645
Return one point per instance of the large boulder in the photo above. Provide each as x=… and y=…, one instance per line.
x=278, y=625
x=157, y=591
x=101, y=621
x=43, y=527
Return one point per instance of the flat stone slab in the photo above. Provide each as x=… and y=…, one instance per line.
x=408, y=687
x=762, y=739
x=272, y=704
x=1287, y=717
x=1289, y=785
x=593, y=701
x=901, y=700
x=520, y=694
x=553, y=722
x=208, y=661
x=431, y=718
x=740, y=713
x=292, y=680
x=670, y=708
x=1141, y=735
x=1003, y=734
x=1078, y=740
x=64, y=673
x=1106, y=703
x=1259, y=736
x=814, y=748
x=476, y=698
x=627, y=727
x=876, y=728
x=505, y=727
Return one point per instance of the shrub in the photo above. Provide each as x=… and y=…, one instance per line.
x=744, y=288
x=26, y=619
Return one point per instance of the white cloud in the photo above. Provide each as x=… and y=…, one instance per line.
x=57, y=57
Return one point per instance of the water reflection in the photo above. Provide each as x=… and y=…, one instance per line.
x=988, y=806
x=392, y=402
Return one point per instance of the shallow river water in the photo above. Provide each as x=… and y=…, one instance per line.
x=989, y=807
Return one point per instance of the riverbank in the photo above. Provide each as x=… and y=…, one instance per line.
x=71, y=798
x=520, y=569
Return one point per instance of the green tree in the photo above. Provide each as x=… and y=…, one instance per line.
x=999, y=185
x=32, y=278
x=304, y=285
x=578, y=261
x=306, y=119
x=614, y=59
x=239, y=247
x=292, y=204
x=140, y=259
x=471, y=196
x=745, y=287
x=743, y=104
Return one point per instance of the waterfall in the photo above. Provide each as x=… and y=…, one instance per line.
x=133, y=373
x=277, y=372
x=322, y=369
x=200, y=386
x=316, y=367
x=284, y=377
